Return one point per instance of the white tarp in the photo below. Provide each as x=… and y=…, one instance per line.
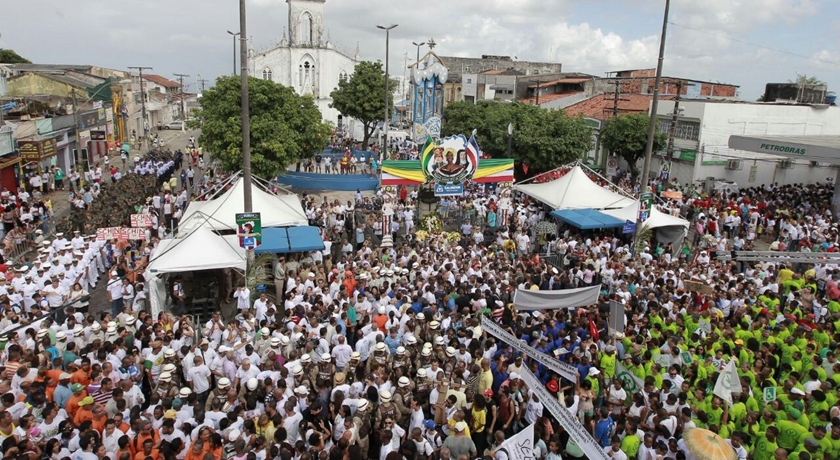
x=657, y=218
x=575, y=190
x=200, y=249
x=275, y=210
x=526, y=299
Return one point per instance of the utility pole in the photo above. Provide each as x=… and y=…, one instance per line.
x=655, y=103
x=616, y=97
x=78, y=126
x=146, y=125
x=181, y=77
x=674, y=119
x=539, y=82
x=246, y=116
x=414, y=91
x=201, y=81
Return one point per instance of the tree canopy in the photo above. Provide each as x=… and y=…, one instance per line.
x=542, y=139
x=806, y=80
x=626, y=136
x=8, y=56
x=362, y=96
x=285, y=127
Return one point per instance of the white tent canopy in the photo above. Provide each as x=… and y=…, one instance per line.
x=275, y=210
x=199, y=250
x=657, y=218
x=575, y=190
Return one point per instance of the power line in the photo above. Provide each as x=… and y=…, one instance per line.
x=738, y=40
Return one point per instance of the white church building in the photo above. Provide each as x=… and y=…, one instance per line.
x=306, y=60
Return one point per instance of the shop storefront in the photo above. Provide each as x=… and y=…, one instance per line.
x=9, y=161
x=37, y=156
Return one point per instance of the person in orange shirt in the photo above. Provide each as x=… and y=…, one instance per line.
x=349, y=282
x=147, y=433
x=99, y=418
x=82, y=375
x=79, y=394
x=85, y=411
x=196, y=451
x=148, y=451
x=381, y=319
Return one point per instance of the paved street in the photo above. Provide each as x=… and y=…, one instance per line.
x=99, y=298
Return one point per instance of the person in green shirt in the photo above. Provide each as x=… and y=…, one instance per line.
x=789, y=433
x=631, y=442
x=765, y=446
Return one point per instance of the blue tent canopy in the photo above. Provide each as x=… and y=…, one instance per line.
x=291, y=239
x=587, y=219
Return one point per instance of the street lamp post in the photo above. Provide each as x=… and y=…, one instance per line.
x=387, y=30
x=414, y=93
x=234, y=35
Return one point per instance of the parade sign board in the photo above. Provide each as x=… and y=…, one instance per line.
x=567, y=371
x=249, y=229
x=576, y=431
x=645, y=204
x=120, y=233
x=141, y=220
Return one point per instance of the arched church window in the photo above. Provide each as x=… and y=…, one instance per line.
x=342, y=76
x=266, y=74
x=306, y=29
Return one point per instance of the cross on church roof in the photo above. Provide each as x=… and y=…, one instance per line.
x=431, y=43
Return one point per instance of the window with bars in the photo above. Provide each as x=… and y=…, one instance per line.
x=686, y=129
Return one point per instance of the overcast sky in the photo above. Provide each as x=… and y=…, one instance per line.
x=742, y=42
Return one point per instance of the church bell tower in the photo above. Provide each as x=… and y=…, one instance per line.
x=306, y=22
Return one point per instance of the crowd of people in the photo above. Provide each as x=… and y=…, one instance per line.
x=363, y=351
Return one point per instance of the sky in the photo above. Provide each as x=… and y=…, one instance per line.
x=743, y=42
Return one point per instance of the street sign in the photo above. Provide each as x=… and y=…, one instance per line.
x=249, y=229
x=664, y=170
x=629, y=227
x=645, y=203
x=769, y=395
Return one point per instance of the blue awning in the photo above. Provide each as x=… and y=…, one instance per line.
x=587, y=219
x=291, y=239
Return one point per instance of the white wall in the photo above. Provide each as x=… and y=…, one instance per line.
x=720, y=120
x=284, y=63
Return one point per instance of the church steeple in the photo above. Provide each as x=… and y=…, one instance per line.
x=306, y=22
x=357, y=56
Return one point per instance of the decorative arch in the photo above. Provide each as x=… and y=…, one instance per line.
x=306, y=27
x=267, y=74
x=306, y=72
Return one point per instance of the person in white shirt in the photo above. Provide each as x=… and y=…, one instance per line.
x=243, y=297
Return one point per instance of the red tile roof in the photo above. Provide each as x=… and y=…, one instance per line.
x=158, y=80
x=549, y=97
x=601, y=106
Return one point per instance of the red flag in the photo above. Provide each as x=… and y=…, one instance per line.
x=593, y=330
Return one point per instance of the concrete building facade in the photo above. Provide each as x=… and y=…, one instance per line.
x=704, y=127
x=306, y=60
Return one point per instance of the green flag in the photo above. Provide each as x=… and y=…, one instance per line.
x=630, y=381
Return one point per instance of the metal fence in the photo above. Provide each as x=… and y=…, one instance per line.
x=15, y=245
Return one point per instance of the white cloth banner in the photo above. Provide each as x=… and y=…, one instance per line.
x=526, y=299
x=576, y=431
x=518, y=447
x=567, y=371
x=728, y=382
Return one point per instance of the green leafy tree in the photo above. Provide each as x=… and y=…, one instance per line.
x=806, y=80
x=8, y=56
x=362, y=96
x=285, y=127
x=542, y=139
x=626, y=136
